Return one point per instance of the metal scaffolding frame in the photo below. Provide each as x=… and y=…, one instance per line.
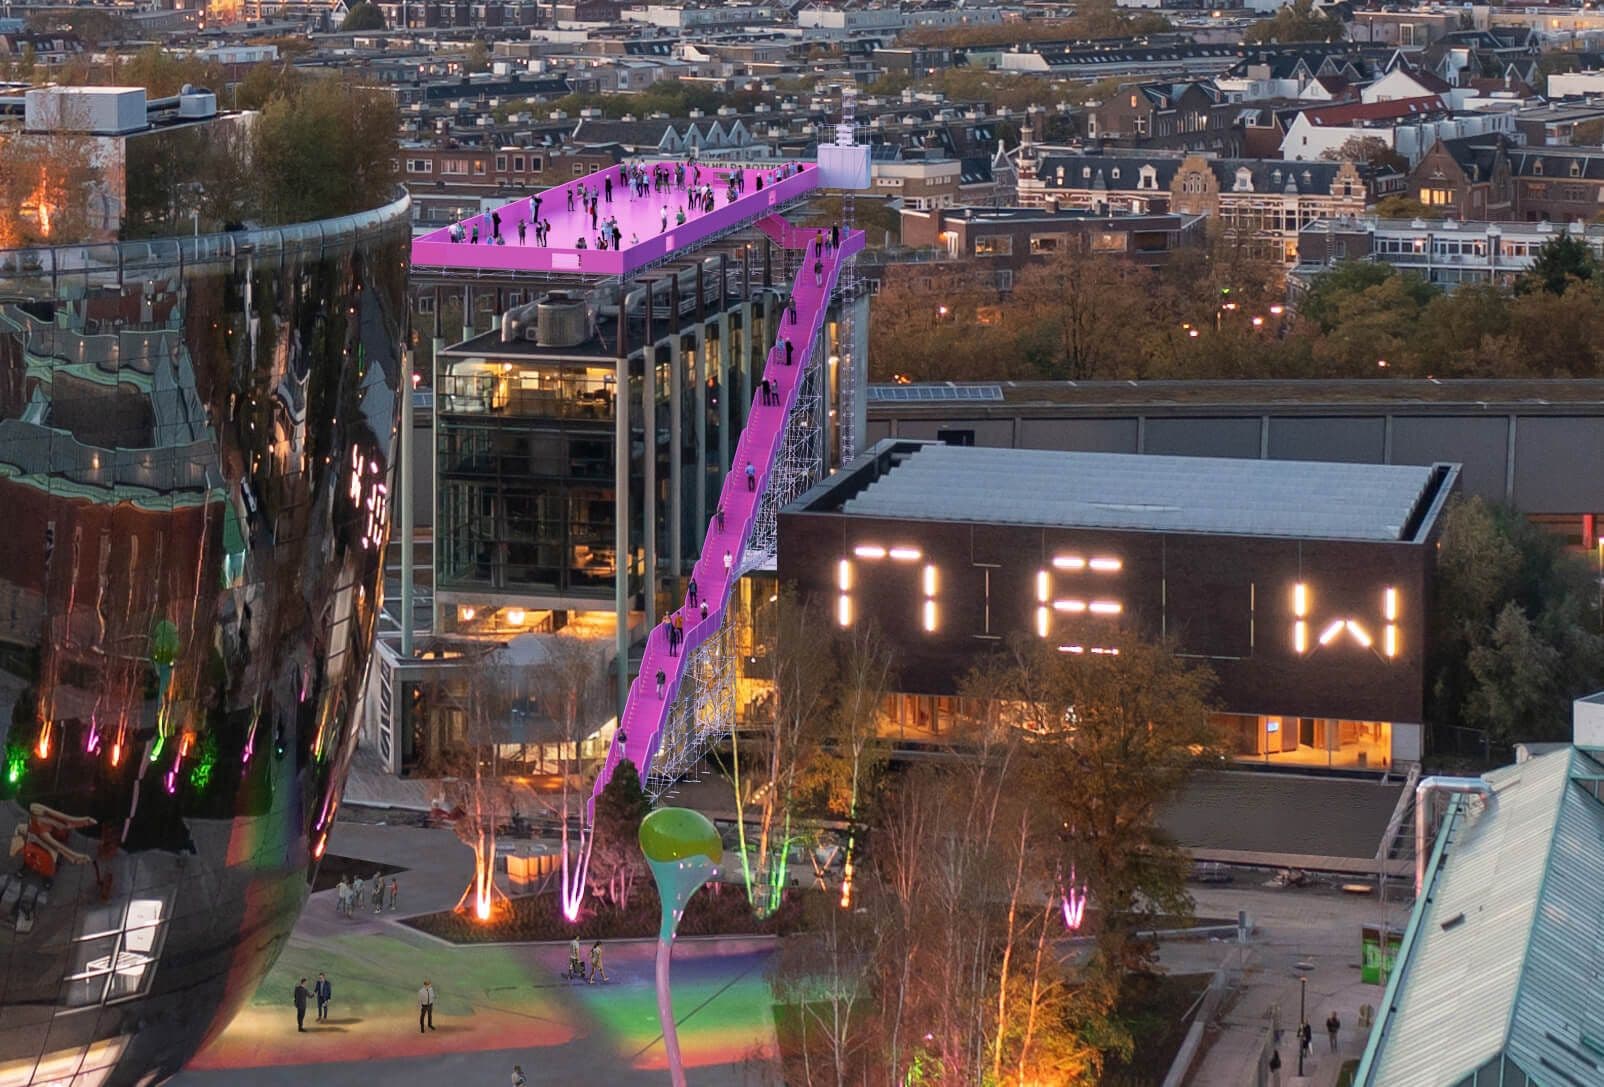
x=847, y=368
x=798, y=464
x=703, y=711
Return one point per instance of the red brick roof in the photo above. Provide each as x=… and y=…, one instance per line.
x=1348, y=113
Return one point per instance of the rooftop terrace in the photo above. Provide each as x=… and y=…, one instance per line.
x=648, y=224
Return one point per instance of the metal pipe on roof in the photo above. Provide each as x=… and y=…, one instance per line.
x=1424, y=791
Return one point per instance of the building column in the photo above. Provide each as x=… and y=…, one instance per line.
x=724, y=390
x=700, y=362
x=621, y=505
x=676, y=435
x=648, y=396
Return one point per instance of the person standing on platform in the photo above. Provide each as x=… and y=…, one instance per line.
x=522, y=227
x=425, y=1006
x=608, y=188
x=818, y=273
x=661, y=680
x=751, y=477
x=835, y=237
x=788, y=350
x=690, y=591
x=719, y=516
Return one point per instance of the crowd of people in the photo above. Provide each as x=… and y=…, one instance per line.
x=350, y=894
x=689, y=186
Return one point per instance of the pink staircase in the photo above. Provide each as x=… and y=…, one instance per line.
x=715, y=573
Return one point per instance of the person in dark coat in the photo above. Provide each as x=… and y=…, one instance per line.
x=300, y=1005
x=323, y=991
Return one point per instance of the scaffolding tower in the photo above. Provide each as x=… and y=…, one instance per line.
x=798, y=464
x=846, y=135
x=703, y=712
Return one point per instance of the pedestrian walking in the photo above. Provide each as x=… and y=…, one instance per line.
x=323, y=992
x=679, y=630
x=596, y=964
x=788, y=351
x=344, y=893
x=719, y=515
x=704, y=609
x=522, y=228
x=395, y=892
x=751, y=477
x=426, y=1006
x=495, y=224
x=518, y=1079
x=576, y=968
x=1275, y=1068
x=300, y=1005
x=661, y=680
x=608, y=188
x=357, y=887
x=763, y=396
x=1306, y=1039
x=1333, y=1025
x=690, y=591
x=835, y=237
x=818, y=273
x=378, y=892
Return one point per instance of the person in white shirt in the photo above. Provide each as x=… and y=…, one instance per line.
x=425, y=1006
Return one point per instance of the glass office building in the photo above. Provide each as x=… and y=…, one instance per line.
x=195, y=451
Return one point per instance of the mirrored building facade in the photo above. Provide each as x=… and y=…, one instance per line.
x=195, y=446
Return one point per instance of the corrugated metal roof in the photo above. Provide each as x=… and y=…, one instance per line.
x=1298, y=499
x=1506, y=949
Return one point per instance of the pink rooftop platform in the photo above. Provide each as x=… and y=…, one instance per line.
x=639, y=217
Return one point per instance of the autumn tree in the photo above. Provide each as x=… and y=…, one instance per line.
x=363, y=16
x=1114, y=736
x=476, y=799
x=1078, y=312
x=1368, y=150
x=323, y=148
x=1297, y=21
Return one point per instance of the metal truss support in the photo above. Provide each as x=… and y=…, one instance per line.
x=798, y=464
x=847, y=391
x=703, y=712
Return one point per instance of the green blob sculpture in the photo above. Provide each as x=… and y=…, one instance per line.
x=683, y=850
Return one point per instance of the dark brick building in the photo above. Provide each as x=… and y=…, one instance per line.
x=1302, y=585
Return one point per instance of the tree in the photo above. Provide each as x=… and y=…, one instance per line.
x=1114, y=737
x=1514, y=625
x=363, y=16
x=1371, y=150
x=1562, y=261
x=476, y=800
x=1332, y=295
x=48, y=184
x=1295, y=22
x=325, y=147
x=852, y=754
x=787, y=738
x=566, y=689
x=1079, y=311
x=1407, y=207
x=616, y=862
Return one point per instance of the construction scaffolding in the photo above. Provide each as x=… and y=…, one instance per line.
x=798, y=465
x=847, y=392
x=702, y=714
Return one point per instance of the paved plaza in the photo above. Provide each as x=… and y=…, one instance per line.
x=497, y=1005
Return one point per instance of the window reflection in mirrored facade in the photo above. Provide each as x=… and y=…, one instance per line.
x=195, y=445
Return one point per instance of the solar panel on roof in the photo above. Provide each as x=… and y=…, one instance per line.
x=907, y=393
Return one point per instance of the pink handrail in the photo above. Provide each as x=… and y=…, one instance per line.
x=645, y=713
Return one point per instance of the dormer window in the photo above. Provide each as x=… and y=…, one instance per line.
x=1086, y=173
x=1114, y=173
x=1537, y=167
x=1244, y=180
x=1576, y=169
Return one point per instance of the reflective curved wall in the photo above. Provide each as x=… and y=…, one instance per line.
x=195, y=442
